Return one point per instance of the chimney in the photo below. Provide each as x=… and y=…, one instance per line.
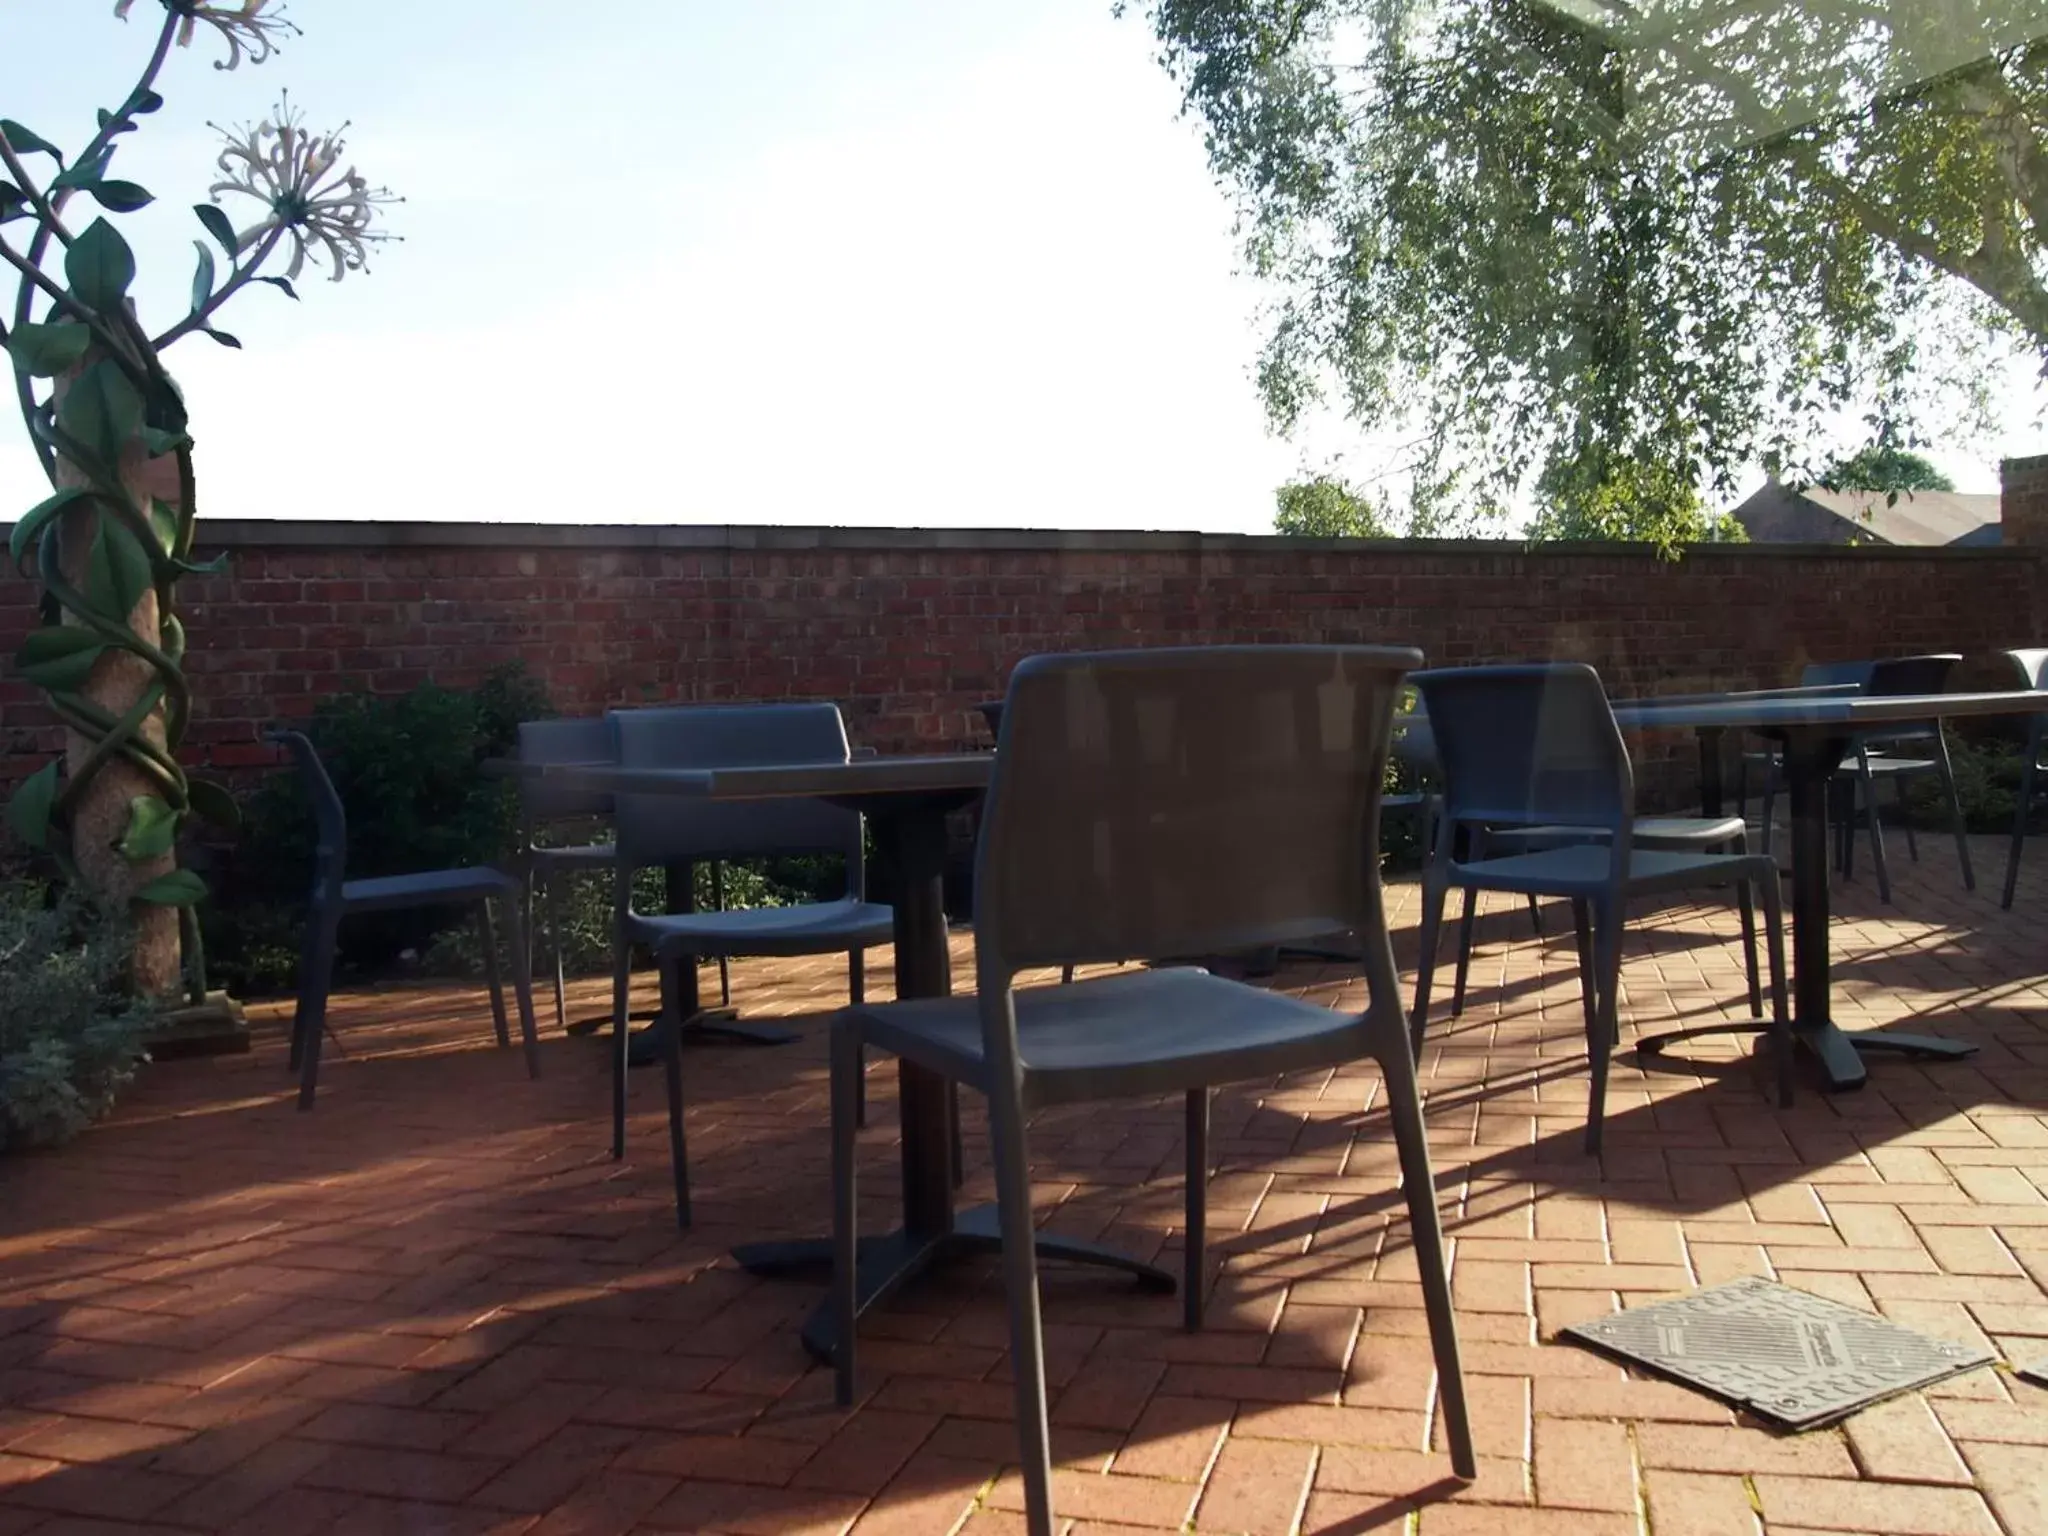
x=2023, y=502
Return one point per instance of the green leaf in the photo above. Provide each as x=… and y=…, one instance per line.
x=28, y=812
x=202, y=277
x=99, y=266
x=279, y=282
x=13, y=202
x=218, y=225
x=156, y=442
x=163, y=521
x=211, y=802
x=102, y=411
x=117, y=572
x=180, y=888
x=223, y=337
x=38, y=517
x=23, y=142
x=121, y=196
x=142, y=103
x=152, y=829
x=48, y=350
x=58, y=657
x=83, y=173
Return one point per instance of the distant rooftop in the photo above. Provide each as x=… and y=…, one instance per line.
x=1785, y=514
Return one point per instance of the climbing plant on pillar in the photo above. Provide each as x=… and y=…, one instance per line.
x=110, y=544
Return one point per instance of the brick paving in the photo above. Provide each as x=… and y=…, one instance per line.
x=436, y=1305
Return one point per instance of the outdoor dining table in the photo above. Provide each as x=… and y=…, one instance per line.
x=1816, y=733
x=906, y=801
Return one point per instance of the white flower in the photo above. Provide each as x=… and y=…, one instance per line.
x=294, y=175
x=243, y=27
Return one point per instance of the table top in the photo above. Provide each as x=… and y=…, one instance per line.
x=1853, y=712
x=906, y=775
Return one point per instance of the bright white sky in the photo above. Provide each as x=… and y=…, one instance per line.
x=901, y=262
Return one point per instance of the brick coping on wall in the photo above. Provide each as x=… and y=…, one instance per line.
x=289, y=533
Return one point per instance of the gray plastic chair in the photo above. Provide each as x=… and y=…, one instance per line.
x=335, y=896
x=1670, y=834
x=678, y=829
x=2030, y=669
x=1149, y=804
x=1891, y=755
x=544, y=804
x=1537, y=746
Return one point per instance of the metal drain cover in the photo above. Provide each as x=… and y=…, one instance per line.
x=1796, y=1359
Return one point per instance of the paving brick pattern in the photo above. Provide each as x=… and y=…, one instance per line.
x=436, y=1305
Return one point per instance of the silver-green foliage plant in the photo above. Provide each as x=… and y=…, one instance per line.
x=109, y=425
x=69, y=1029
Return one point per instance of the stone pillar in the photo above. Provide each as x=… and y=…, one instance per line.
x=2023, y=503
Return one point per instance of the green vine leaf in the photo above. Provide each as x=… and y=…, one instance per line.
x=223, y=337
x=83, y=174
x=28, y=812
x=13, y=203
x=99, y=266
x=152, y=830
x=142, y=103
x=24, y=142
x=58, y=657
x=179, y=888
x=156, y=442
x=121, y=196
x=36, y=518
x=117, y=572
x=102, y=410
x=281, y=282
x=163, y=520
x=212, y=803
x=45, y=351
x=218, y=225
x=202, y=277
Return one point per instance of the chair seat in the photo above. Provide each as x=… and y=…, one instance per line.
x=1135, y=1033
x=581, y=856
x=428, y=887
x=809, y=928
x=1891, y=767
x=1581, y=870
x=1667, y=832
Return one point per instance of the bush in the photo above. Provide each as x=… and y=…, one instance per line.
x=70, y=1035
x=1987, y=772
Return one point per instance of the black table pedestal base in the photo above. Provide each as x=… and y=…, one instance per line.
x=889, y=1261
x=1835, y=1050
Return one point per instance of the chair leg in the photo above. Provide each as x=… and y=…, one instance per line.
x=1589, y=980
x=1745, y=902
x=1873, y=828
x=622, y=981
x=1467, y=920
x=1066, y=975
x=2019, y=828
x=1770, y=809
x=1955, y=808
x=522, y=985
x=1020, y=1280
x=1905, y=821
x=552, y=902
x=1600, y=1042
x=309, y=980
x=1425, y=968
x=1194, y=1281
x=1425, y=1229
x=319, y=963
x=959, y=1141
x=671, y=1026
x=848, y=1054
x=493, y=973
x=1781, y=1012
x=856, y=994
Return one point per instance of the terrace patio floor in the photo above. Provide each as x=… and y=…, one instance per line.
x=435, y=1304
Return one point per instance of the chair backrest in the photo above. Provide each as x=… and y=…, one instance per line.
x=2030, y=668
x=588, y=740
x=1895, y=676
x=1529, y=746
x=1161, y=803
x=1824, y=674
x=330, y=851
x=674, y=829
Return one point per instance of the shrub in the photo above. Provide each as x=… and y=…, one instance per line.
x=1987, y=771
x=70, y=1035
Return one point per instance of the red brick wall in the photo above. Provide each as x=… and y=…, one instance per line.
x=2023, y=501
x=908, y=630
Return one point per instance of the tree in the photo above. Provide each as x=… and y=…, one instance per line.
x=1492, y=227
x=1597, y=495
x=1326, y=508
x=1883, y=467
